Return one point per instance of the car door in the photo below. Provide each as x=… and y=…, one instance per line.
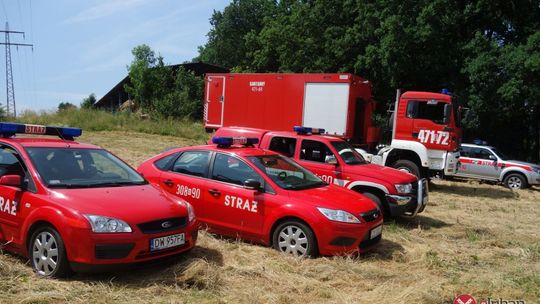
x=315, y=155
x=479, y=162
x=234, y=210
x=12, y=198
x=186, y=178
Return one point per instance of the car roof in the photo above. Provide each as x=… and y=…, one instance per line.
x=477, y=146
x=305, y=136
x=48, y=143
x=425, y=95
x=238, y=150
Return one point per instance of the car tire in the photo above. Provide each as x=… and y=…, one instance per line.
x=47, y=253
x=515, y=181
x=407, y=166
x=295, y=238
x=377, y=200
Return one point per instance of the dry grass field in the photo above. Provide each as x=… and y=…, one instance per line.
x=472, y=238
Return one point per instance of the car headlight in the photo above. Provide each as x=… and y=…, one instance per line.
x=404, y=188
x=191, y=212
x=339, y=215
x=104, y=224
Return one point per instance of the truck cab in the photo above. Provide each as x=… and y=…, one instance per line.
x=426, y=134
x=337, y=162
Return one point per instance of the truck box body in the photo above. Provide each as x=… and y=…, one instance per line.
x=340, y=103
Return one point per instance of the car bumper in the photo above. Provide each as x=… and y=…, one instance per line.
x=409, y=205
x=342, y=238
x=92, y=249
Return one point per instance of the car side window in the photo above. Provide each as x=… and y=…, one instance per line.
x=317, y=151
x=164, y=163
x=232, y=170
x=465, y=151
x=283, y=145
x=429, y=110
x=192, y=163
x=11, y=164
x=482, y=153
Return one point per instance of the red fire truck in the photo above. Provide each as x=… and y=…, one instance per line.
x=425, y=126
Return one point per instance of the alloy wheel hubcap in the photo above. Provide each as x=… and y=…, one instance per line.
x=514, y=182
x=293, y=240
x=45, y=253
x=404, y=169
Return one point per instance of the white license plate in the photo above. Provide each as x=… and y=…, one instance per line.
x=167, y=242
x=375, y=232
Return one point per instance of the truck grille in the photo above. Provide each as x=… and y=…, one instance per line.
x=371, y=215
x=163, y=225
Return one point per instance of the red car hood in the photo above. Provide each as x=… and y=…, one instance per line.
x=383, y=173
x=334, y=197
x=133, y=204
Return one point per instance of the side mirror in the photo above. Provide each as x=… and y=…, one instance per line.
x=331, y=160
x=447, y=113
x=252, y=184
x=11, y=180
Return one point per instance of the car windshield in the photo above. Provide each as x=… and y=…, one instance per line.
x=286, y=173
x=82, y=168
x=348, y=153
x=501, y=155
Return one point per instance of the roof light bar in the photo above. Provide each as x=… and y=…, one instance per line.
x=237, y=141
x=308, y=130
x=8, y=129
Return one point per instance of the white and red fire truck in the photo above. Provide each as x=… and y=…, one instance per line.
x=425, y=127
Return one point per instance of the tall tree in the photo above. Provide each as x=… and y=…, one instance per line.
x=88, y=102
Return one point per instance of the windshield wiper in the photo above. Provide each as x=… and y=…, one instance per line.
x=116, y=184
x=307, y=186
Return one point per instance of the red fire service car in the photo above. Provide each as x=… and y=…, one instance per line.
x=335, y=161
x=261, y=196
x=70, y=206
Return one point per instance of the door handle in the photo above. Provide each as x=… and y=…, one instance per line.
x=214, y=192
x=168, y=182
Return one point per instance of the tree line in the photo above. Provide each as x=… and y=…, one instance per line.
x=486, y=52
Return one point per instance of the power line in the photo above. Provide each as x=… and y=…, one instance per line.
x=10, y=91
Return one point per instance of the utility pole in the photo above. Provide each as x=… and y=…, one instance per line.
x=10, y=91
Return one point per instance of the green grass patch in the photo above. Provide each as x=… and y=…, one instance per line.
x=94, y=120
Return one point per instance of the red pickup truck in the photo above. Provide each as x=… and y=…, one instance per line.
x=335, y=161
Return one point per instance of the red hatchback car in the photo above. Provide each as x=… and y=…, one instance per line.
x=261, y=196
x=73, y=206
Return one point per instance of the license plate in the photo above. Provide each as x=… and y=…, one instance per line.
x=167, y=242
x=375, y=232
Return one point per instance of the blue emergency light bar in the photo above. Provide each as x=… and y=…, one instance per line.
x=9, y=129
x=237, y=141
x=307, y=130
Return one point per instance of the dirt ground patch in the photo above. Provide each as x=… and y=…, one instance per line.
x=473, y=238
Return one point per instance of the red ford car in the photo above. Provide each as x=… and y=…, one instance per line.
x=261, y=196
x=70, y=206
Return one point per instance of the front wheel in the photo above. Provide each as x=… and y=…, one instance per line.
x=47, y=253
x=407, y=166
x=295, y=238
x=515, y=181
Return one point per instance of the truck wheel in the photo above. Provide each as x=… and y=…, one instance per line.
x=515, y=181
x=47, y=253
x=377, y=200
x=295, y=238
x=407, y=166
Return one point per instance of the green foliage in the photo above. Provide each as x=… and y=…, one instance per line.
x=163, y=90
x=95, y=120
x=486, y=52
x=3, y=113
x=88, y=102
x=63, y=106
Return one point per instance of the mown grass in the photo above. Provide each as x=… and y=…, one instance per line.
x=472, y=238
x=94, y=120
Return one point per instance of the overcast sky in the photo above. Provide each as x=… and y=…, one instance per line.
x=84, y=46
